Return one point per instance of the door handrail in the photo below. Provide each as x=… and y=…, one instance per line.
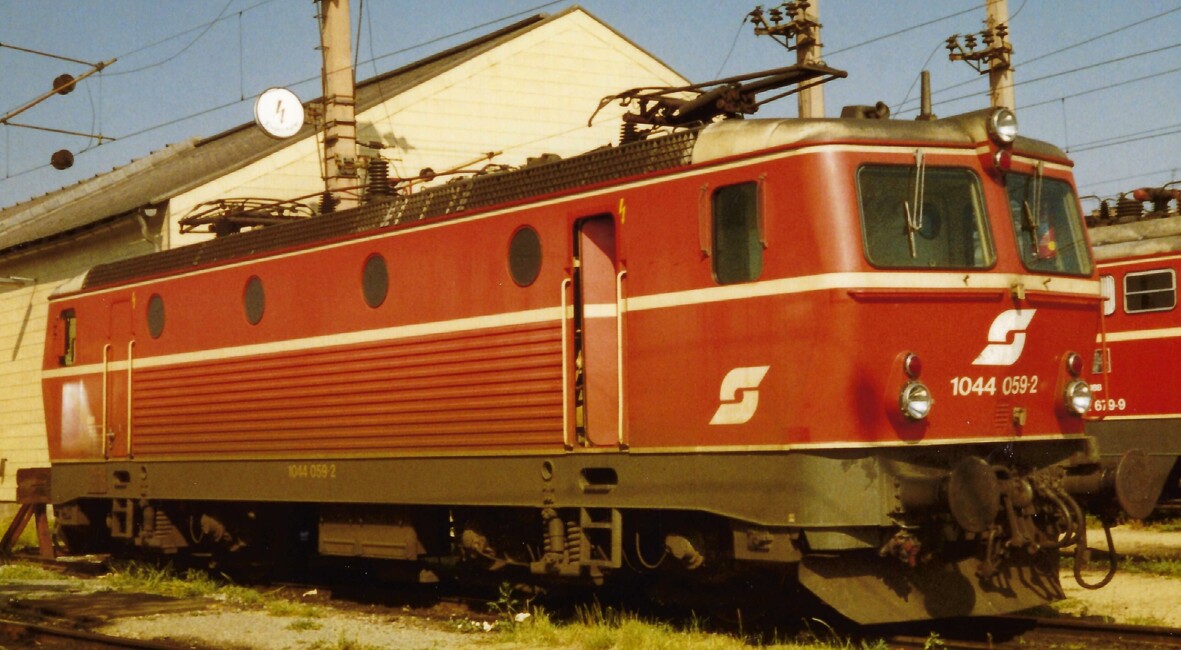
x=619, y=300
x=106, y=372
x=566, y=379
x=130, y=357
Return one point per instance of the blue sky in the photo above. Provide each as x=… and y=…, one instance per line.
x=1096, y=77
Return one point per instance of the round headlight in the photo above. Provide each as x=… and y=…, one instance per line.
x=915, y=401
x=1078, y=396
x=1002, y=126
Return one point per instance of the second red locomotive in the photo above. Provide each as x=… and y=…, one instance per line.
x=848, y=351
x=1138, y=253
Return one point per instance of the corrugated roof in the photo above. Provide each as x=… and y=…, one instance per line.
x=182, y=166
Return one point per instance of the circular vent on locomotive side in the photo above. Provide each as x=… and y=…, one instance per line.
x=524, y=256
x=254, y=300
x=375, y=280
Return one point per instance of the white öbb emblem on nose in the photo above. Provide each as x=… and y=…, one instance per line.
x=739, y=395
x=1000, y=351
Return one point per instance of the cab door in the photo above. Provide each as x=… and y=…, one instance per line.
x=597, y=341
x=117, y=370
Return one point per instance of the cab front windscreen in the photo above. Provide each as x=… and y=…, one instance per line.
x=923, y=217
x=1045, y=217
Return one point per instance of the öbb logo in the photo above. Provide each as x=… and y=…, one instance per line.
x=739, y=395
x=1000, y=351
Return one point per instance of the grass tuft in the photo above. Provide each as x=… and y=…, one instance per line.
x=21, y=571
x=343, y=643
x=303, y=625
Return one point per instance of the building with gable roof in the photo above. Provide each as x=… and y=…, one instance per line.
x=519, y=92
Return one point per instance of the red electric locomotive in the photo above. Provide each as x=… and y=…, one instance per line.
x=844, y=351
x=1139, y=255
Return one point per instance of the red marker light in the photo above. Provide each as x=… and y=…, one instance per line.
x=912, y=365
x=1003, y=159
x=1074, y=363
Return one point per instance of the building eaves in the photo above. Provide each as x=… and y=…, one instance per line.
x=180, y=167
x=116, y=192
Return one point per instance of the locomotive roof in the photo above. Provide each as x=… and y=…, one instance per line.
x=679, y=149
x=740, y=136
x=1148, y=237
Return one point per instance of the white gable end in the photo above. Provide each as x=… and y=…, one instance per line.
x=530, y=95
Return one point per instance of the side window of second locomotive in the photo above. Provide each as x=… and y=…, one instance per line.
x=1150, y=291
x=737, y=241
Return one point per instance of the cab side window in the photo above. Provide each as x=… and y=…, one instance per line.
x=69, y=330
x=737, y=236
x=1150, y=291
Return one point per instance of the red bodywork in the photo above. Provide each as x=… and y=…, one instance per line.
x=459, y=358
x=1142, y=347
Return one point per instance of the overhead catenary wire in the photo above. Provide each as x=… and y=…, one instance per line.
x=899, y=32
x=1087, y=41
x=208, y=26
x=1155, y=76
x=1156, y=132
x=374, y=58
x=1088, y=187
x=1060, y=73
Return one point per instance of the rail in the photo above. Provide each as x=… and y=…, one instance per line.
x=15, y=634
x=1000, y=632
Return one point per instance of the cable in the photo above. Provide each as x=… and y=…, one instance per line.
x=901, y=31
x=1149, y=77
x=184, y=49
x=223, y=106
x=1039, y=57
x=1059, y=74
x=187, y=31
x=732, y=44
x=1018, y=12
x=464, y=31
x=920, y=74
x=1125, y=139
x=1123, y=179
x=1095, y=38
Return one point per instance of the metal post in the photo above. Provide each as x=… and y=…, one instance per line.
x=808, y=51
x=1000, y=70
x=340, y=124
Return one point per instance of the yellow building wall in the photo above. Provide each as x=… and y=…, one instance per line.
x=531, y=95
x=23, y=319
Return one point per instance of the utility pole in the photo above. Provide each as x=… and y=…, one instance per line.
x=1000, y=72
x=798, y=20
x=996, y=53
x=808, y=51
x=340, y=123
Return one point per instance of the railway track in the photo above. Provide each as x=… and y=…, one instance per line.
x=1027, y=632
x=57, y=622
x=15, y=635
